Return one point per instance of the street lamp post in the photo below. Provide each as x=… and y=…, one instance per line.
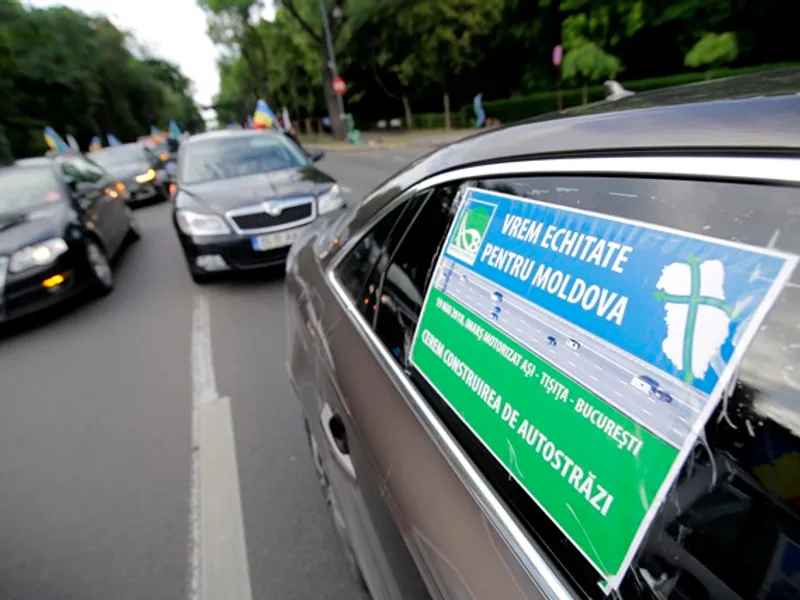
x=331, y=57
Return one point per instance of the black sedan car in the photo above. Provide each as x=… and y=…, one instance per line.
x=62, y=221
x=243, y=197
x=138, y=168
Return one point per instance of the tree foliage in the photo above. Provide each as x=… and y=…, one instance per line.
x=77, y=73
x=713, y=50
x=401, y=54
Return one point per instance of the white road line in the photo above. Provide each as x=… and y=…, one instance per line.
x=218, y=568
x=346, y=189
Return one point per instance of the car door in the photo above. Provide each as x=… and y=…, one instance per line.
x=103, y=205
x=359, y=494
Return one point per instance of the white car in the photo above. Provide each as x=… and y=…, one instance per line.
x=574, y=344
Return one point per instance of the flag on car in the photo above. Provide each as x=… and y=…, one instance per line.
x=156, y=135
x=174, y=130
x=95, y=144
x=112, y=140
x=54, y=141
x=263, y=117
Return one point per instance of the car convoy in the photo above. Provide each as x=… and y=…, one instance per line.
x=240, y=200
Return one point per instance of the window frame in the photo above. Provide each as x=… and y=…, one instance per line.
x=708, y=167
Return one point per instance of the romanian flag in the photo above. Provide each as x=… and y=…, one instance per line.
x=112, y=140
x=95, y=144
x=263, y=117
x=174, y=130
x=54, y=141
x=158, y=138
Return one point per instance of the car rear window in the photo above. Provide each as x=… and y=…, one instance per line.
x=119, y=155
x=22, y=188
x=226, y=158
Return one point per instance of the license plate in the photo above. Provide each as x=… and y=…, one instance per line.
x=268, y=241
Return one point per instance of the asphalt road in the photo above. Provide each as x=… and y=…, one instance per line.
x=96, y=409
x=605, y=371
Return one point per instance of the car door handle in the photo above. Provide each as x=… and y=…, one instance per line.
x=336, y=435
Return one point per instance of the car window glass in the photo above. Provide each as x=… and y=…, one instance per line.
x=27, y=187
x=405, y=277
x=77, y=170
x=730, y=527
x=357, y=270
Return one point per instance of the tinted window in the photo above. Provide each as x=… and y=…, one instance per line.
x=22, y=188
x=120, y=155
x=224, y=158
x=358, y=272
x=404, y=280
x=79, y=170
x=730, y=528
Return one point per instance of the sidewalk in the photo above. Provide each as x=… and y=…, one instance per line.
x=372, y=140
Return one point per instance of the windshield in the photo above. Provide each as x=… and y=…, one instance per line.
x=23, y=188
x=227, y=158
x=119, y=155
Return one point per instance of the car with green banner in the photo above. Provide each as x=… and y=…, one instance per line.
x=558, y=360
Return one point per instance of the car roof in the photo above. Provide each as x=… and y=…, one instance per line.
x=751, y=112
x=127, y=144
x=229, y=133
x=36, y=161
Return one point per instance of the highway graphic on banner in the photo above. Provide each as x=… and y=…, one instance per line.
x=587, y=353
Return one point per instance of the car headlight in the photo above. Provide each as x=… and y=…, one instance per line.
x=192, y=223
x=330, y=200
x=145, y=177
x=37, y=255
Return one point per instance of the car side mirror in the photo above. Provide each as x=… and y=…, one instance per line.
x=315, y=155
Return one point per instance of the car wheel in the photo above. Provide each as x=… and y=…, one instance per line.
x=333, y=508
x=134, y=233
x=101, y=271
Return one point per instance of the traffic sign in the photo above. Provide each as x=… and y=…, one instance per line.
x=339, y=86
x=558, y=54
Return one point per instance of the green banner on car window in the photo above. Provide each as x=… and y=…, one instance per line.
x=587, y=354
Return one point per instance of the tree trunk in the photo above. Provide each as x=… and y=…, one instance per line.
x=407, y=109
x=585, y=93
x=447, y=111
x=337, y=125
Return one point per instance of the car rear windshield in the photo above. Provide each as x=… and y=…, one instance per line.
x=227, y=158
x=22, y=188
x=119, y=155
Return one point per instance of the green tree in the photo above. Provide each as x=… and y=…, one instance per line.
x=713, y=50
x=590, y=30
x=76, y=73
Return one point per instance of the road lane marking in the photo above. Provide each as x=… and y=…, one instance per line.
x=218, y=568
x=346, y=190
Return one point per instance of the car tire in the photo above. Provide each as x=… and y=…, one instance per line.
x=332, y=505
x=134, y=233
x=100, y=270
